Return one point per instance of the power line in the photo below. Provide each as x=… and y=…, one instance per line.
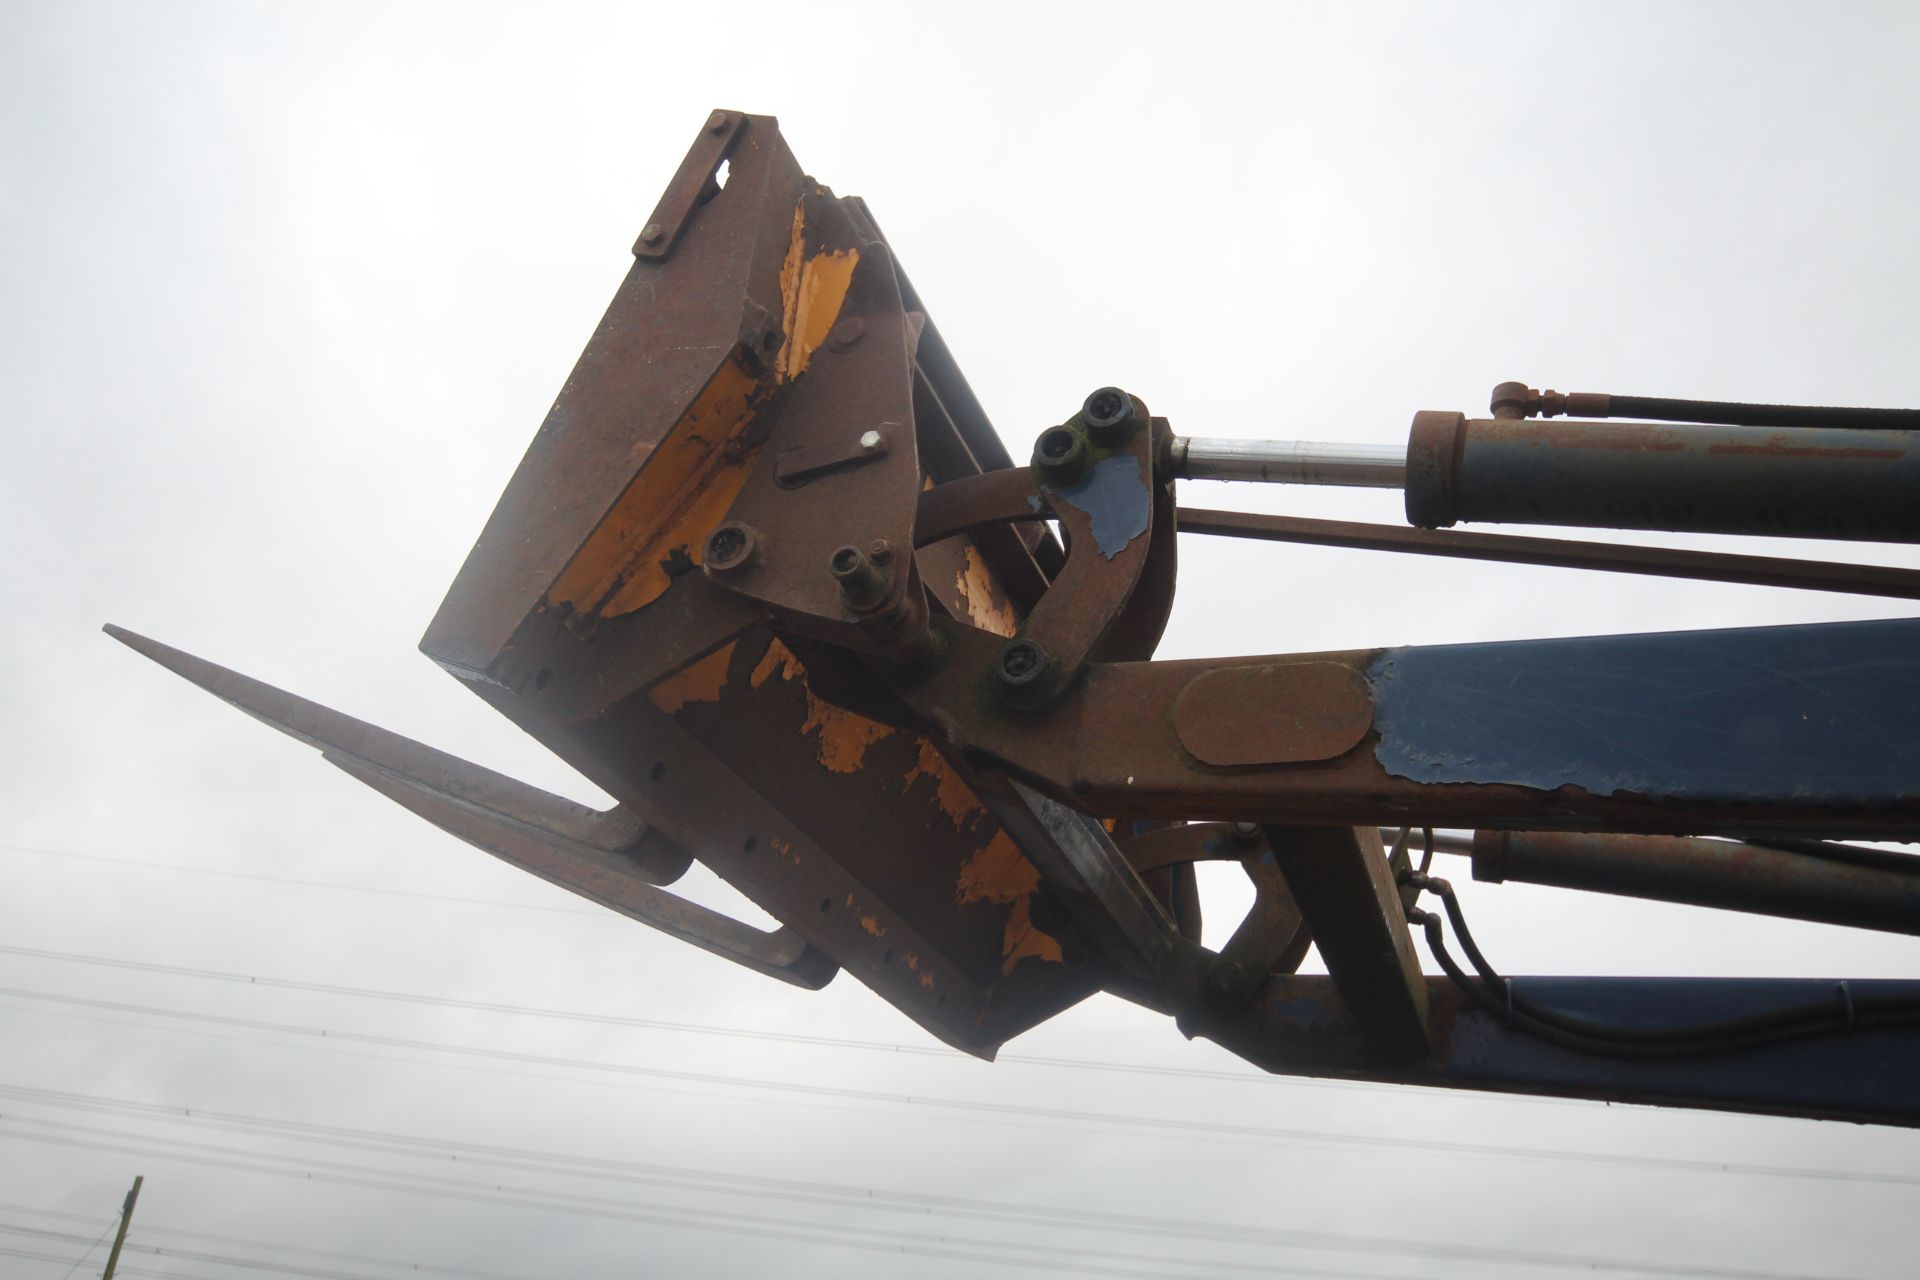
x=190, y=1255
x=548, y=1077
x=1110, y=1120
x=470, y=1274
x=55, y=1258
x=149, y=1229
x=664, y=1176
x=759, y=1224
x=88, y=1252
x=305, y=884
x=878, y=1240
x=656, y=1024
x=124, y=1269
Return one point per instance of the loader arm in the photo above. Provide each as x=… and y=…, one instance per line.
x=768, y=576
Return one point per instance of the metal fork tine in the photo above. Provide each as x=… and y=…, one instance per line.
x=608, y=879
x=610, y=857
x=339, y=734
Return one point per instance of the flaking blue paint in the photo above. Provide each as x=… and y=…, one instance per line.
x=1115, y=495
x=1828, y=713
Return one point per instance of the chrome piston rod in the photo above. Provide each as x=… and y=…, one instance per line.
x=1367, y=466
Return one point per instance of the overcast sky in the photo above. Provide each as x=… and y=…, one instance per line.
x=284, y=291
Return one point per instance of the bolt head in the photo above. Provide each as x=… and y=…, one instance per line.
x=717, y=122
x=729, y=547
x=880, y=551
x=1022, y=663
x=1226, y=978
x=846, y=563
x=870, y=440
x=1109, y=415
x=652, y=233
x=863, y=584
x=1246, y=830
x=1060, y=455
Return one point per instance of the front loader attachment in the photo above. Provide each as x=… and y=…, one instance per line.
x=767, y=576
x=763, y=344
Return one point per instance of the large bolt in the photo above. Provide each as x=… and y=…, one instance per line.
x=1226, y=978
x=862, y=584
x=729, y=547
x=1022, y=671
x=652, y=233
x=1246, y=831
x=717, y=122
x=1060, y=455
x=1110, y=416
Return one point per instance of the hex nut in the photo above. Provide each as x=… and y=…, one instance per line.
x=729, y=546
x=863, y=585
x=1060, y=455
x=1023, y=672
x=1226, y=978
x=1110, y=416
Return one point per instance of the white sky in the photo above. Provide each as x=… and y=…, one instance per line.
x=285, y=290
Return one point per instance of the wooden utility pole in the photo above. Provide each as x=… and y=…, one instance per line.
x=120, y=1238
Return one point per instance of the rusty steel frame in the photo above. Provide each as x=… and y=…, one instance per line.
x=767, y=576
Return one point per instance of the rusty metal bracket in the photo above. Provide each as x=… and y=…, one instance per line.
x=1272, y=937
x=1079, y=859
x=798, y=465
x=692, y=185
x=1340, y=879
x=825, y=558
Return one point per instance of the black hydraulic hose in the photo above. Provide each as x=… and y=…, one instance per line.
x=1728, y=413
x=1606, y=1040
x=1733, y=1028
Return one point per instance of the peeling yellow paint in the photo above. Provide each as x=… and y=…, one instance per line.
x=984, y=607
x=844, y=736
x=811, y=290
x=790, y=285
x=872, y=925
x=681, y=491
x=685, y=486
x=999, y=872
x=823, y=285
x=955, y=798
x=778, y=659
x=700, y=682
x=926, y=981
